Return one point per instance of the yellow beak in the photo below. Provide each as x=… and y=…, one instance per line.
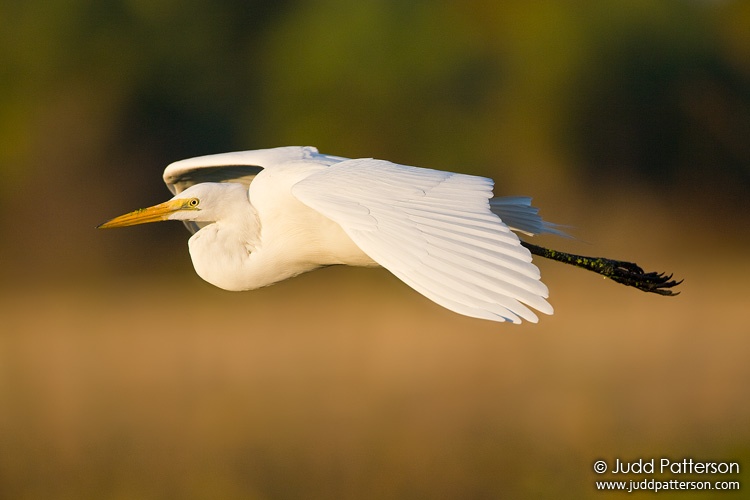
x=156, y=213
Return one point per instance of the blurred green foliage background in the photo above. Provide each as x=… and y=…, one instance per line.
x=628, y=119
x=549, y=99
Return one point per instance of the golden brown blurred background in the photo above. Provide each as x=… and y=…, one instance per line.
x=123, y=375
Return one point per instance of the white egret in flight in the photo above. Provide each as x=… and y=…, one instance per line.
x=259, y=217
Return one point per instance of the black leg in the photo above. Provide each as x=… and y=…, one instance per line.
x=626, y=273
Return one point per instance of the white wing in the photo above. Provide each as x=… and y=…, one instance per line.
x=435, y=231
x=239, y=166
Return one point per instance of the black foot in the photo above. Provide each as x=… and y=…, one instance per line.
x=630, y=274
x=625, y=273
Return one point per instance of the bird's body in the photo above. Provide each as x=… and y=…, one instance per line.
x=238, y=252
x=260, y=217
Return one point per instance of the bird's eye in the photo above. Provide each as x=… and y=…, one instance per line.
x=193, y=202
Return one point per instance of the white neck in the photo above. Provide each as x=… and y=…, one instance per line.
x=237, y=254
x=223, y=256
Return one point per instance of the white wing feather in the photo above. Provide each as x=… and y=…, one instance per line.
x=434, y=230
x=238, y=166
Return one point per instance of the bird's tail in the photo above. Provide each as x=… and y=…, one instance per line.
x=518, y=214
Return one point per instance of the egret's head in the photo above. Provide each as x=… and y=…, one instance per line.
x=201, y=203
